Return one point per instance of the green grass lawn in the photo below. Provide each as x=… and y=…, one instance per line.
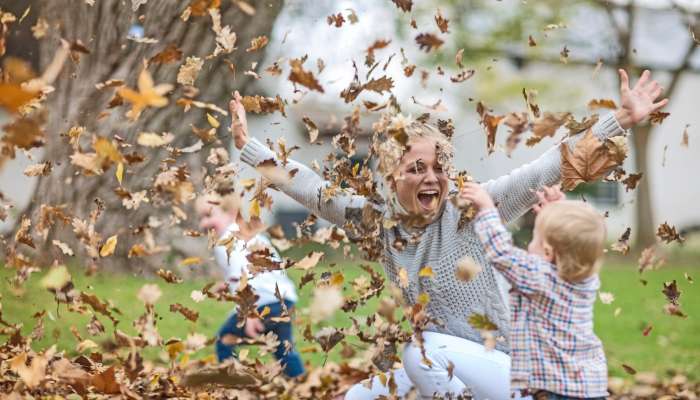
x=672, y=344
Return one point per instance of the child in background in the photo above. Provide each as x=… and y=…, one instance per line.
x=555, y=353
x=223, y=215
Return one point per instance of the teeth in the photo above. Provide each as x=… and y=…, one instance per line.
x=429, y=192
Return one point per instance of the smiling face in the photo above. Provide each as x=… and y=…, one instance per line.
x=420, y=181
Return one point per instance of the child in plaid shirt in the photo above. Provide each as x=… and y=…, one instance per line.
x=555, y=354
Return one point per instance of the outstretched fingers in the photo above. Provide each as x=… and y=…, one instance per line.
x=624, y=80
x=659, y=105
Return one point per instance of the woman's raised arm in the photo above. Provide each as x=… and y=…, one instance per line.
x=514, y=193
x=295, y=179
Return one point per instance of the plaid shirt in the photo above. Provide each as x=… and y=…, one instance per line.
x=553, y=346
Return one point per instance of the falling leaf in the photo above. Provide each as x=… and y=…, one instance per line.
x=428, y=42
x=335, y=19
x=147, y=95
x=109, y=246
x=463, y=75
x=403, y=5
x=441, y=22
x=64, y=247
x=43, y=169
x=169, y=55
x=490, y=124
x=56, y=278
x=668, y=233
x=310, y=260
x=622, y=245
x=629, y=369
x=188, y=71
x=531, y=41
x=684, y=139
x=186, y=262
x=602, y=103
x=149, y=139
x=426, y=272
x=379, y=85
x=119, y=173
x=257, y=43
x=311, y=127
x=564, y=55
x=326, y=300
x=403, y=277
x=149, y=293
x=263, y=105
x=481, y=322
x=657, y=117
x=588, y=162
x=467, y=269
x=197, y=296
x=13, y=97
x=632, y=180
x=185, y=312
x=303, y=77
x=606, y=297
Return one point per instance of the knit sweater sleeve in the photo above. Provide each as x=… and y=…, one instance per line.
x=514, y=193
x=305, y=186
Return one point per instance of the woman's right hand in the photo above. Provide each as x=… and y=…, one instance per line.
x=239, y=124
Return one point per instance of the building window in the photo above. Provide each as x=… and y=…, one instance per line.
x=604, y=193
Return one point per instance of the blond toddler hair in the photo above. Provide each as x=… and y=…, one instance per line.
x=576, y=232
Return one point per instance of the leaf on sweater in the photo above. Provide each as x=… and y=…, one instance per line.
x=590, y=160
x=481, y=322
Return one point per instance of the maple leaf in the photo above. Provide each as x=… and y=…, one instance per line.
x=590, y=160
x=147, y=95
x=428, y=41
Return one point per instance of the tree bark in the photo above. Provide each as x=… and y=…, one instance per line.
x=103, y=29
x=646, y=234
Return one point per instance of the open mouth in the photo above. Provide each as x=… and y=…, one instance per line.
x=428, y=199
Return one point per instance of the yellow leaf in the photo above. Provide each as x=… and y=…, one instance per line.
x=56, y=278
x=254, y=210
x=190, y=261
x=309, y=261
x=423, y=298
x=212, y=121
x=426, y=272
x=337, y=279
x=109, y=246
x=243, y=354
x=175, y=348
x=120, y=173
x=148, y=95
x=264, y=312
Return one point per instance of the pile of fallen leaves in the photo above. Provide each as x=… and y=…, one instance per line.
x=116, y=366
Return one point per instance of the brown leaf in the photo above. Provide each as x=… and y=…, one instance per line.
x=13, y=97
x=263, y=105
x=188, y=313
x=168, y=276
x=106, y=382
x=622, y=245
x=379, y=85
x=490, y=124
x=632, y=180
x=658, y=117
x=531, y=41
x=169, y=55
x=589, y=161
x=335, y=19
x=404, y=5
x=548, y=124
x=311, y=127
x=441, y=22
x=629, y=369
x=684, y=138
x=378, y=44
x=668, y=233
x=602, y=103
x=257, y=43
x=462, y=76
x=428, y=41
x=302, y=77
x=586, y=123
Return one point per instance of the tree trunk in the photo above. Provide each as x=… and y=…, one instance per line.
x=103, y=29
x=645, y=235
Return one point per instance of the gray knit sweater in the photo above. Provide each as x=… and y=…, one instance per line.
x=441, y=243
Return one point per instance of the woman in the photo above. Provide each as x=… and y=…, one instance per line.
x=417, y=176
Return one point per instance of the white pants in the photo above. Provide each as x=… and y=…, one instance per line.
x=484, y=373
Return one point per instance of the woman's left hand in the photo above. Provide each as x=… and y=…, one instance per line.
x=637, y=103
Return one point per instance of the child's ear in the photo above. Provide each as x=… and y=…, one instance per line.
x=549, y=254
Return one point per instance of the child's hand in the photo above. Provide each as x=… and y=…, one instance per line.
x=637, y=103
x=253, y=327
x=239, y=124
x=476, y=193
x=547, y=195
